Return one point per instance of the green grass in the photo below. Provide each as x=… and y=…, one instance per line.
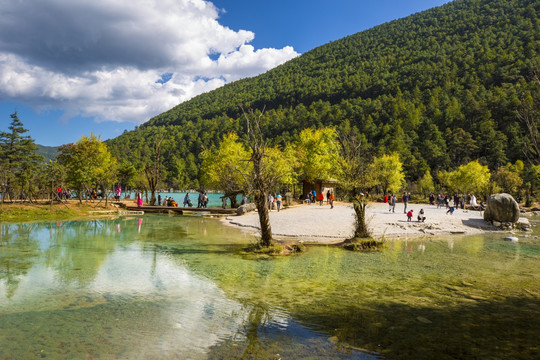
x=27, y=213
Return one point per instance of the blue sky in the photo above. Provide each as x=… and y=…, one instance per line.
x=105, y=66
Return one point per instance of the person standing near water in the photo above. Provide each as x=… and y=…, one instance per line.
x=223, y=202
x=187, y=200
x=200, y=200
x=139, y=199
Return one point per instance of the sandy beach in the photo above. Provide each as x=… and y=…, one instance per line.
x=315, y=223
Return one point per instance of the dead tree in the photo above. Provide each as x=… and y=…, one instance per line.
x=153, y=170
x=258, y=184
x=356, y=177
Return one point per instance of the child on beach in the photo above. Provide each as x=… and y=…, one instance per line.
x=409, y=215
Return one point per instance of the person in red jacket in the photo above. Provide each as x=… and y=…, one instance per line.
x=409, y=215
x=320, y=197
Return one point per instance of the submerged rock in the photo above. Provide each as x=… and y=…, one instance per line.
x=423, y=320
x=511, y=238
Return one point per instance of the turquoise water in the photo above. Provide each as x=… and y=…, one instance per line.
x=172, y=287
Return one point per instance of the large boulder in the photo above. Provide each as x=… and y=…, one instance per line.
x=244, y=209
x=502, y=208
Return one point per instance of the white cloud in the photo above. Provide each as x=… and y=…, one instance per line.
x=103, y=58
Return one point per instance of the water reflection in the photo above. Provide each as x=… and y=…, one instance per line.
x=166, y=287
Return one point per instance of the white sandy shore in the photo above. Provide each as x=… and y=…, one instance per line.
x=314, y=223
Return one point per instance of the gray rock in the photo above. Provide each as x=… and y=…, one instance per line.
x=244, y=209
x=523, y=224
x=502, y=208
x=511, y=238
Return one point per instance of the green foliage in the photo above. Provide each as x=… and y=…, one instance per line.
x=88, y=163
x=425, y=184
x=19, y=162
x=467, y=179
x=226, y=166
x=508, y=180
x=48, y=152
x=317, y=151
x=126, y=174
x=387, y=171
x=441, y=88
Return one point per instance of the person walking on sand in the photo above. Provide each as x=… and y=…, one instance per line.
x=392, y=203
x=331, y=200
x=278, y=201
x=270, y=202
x=320, y=198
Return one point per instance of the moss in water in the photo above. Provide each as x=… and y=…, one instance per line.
x=364, y=244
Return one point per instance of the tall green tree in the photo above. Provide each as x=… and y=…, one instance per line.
x=223, y=167
x=388, y=172
x=318, y=153
x=470, y=178
x=18, y=158
x=153, y=169
x=88, y=164
x=425, y=184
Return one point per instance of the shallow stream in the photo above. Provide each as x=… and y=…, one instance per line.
x=175, y=287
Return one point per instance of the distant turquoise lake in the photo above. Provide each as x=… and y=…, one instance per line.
x=174, y=287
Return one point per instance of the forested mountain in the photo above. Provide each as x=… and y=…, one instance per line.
x=441, y=88
x=48, y=152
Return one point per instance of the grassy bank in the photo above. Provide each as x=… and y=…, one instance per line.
x=16, y=212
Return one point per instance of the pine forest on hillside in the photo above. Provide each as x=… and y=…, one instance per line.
x=441, y=88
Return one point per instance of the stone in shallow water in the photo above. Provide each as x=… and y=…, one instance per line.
x=423, y=320
x=511, y=238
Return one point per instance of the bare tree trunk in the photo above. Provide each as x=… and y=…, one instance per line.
x=264, y=219
x=257, y=144
x=234, y=203
x=361, y=230
x=153, y=171
x=261, y=196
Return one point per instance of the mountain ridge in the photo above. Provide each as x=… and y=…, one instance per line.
x=448, y=77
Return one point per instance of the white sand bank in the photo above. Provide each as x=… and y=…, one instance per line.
x=314, y=223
